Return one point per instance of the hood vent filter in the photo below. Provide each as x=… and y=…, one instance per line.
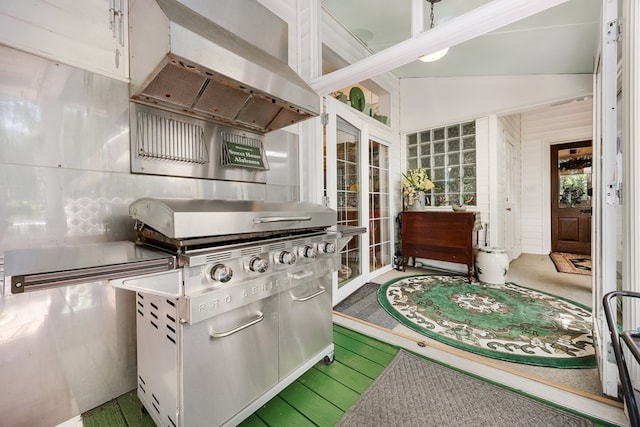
x=186, y=88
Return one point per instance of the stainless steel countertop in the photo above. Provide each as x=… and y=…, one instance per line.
x=40, y=268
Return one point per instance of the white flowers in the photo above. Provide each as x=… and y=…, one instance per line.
x=414, y=181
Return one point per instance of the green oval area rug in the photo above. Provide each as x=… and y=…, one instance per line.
x=507, y=322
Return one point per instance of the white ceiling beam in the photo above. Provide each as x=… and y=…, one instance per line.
x=417, y=17
x=474, y=23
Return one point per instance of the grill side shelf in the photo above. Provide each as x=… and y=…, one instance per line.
x=44, y=268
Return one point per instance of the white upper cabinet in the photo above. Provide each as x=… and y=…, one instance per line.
x=89, y=34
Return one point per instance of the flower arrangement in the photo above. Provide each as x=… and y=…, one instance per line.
x=414, y=181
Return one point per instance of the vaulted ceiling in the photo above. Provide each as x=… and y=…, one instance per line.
x=559, y=40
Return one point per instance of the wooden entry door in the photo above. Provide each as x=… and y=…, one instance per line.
x=571, y=197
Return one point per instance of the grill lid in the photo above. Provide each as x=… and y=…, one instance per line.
x=188, y=218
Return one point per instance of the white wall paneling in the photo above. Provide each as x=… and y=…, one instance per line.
x=542, y=128
x=483, y=182
x=509, y=130
x=496, y=184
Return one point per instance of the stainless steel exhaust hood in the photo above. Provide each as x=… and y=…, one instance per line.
x=183, y=61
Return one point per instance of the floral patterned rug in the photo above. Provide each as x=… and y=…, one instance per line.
x=506, y=322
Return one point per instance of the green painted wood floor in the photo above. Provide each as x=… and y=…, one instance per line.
x=318, y=398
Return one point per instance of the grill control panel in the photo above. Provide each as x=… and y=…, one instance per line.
x=226, y=267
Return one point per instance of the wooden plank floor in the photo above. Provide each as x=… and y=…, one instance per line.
x=318, y=398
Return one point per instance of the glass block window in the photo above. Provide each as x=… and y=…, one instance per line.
x=449, y=154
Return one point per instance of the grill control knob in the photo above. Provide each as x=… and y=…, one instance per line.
x=286, y=257
x=257, y=264
x=221, y=273
x=326, y=247
x=308, y=252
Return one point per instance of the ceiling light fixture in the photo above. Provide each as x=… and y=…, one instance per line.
x=435, y=55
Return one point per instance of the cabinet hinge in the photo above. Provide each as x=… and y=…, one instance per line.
x=619, y=193
x=324, y=119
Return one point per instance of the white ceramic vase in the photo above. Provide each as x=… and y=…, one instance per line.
x=419, y=202
x=492, y=265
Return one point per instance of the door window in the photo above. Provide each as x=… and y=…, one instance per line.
x=574, y=177
x=348, y=184
x=379, y=225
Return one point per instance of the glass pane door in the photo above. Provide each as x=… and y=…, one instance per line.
x=356, y=179
x=379, y=223
x=349, y=202
x=571, y=197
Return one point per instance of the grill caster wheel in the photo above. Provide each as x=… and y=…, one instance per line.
x=328, y=360
x=144, y=410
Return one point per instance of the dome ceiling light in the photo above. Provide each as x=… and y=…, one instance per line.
x=435, y=55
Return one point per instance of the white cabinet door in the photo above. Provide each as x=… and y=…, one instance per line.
x=89, y=34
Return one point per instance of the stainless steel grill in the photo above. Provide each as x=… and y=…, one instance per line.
x=216, y=219
x=247, y=313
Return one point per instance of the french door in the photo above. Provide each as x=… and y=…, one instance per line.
x=356, y=176
x=349, y=201
x=606, y=203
